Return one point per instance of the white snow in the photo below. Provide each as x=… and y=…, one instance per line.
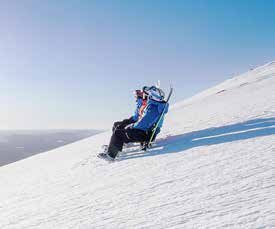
x=212, y=167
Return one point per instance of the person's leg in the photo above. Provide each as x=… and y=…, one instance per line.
x=121, y=136
x=118, y=138
x=122, y=124
x=140, y=136
x=136, y=135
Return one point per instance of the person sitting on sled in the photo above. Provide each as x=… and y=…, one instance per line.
x=141, y=101
x=140, y=131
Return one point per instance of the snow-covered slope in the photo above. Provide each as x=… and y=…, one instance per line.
x=212, y=167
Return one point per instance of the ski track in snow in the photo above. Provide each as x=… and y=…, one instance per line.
x=212, y=167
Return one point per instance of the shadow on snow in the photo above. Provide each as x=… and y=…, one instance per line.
x=211, y=136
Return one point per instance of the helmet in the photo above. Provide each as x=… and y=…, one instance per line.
x=154, y=93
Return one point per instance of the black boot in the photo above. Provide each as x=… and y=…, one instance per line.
x=112, y=151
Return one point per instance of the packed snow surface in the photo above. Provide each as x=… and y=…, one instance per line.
x=212, y=167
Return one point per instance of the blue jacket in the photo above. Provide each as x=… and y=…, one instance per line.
x=136, y=114
x=151, y=115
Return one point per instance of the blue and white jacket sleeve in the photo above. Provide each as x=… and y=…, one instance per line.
x=136, y=114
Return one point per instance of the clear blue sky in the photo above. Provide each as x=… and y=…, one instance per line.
x=74, y=64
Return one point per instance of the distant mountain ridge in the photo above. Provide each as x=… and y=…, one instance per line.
x=19, y=144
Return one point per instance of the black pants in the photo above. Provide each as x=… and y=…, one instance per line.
x=122, y=124
x=121, y=136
